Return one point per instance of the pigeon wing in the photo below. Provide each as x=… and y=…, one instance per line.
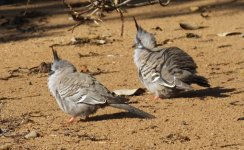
x=176, y=68
x=82, y=88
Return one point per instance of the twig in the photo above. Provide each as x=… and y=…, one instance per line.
x=142, y=4
x=36, y=95
x=149, y=2
x=9, y=98
x=8, y=77
x=121, y=17
x=105, y=5
x=35, y=114
x=122, y=4
x=94, y=11
x=88, y=10
x=76, y=25
x=26, y=7
x=122, y=20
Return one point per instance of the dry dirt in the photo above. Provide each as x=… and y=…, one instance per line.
x=205, y=119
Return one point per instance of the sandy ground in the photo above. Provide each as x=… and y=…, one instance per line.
x=206, y=119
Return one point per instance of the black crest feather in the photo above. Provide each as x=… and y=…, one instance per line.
x=55, y=55
x=137, y=26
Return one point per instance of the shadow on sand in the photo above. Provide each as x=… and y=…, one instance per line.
x=218, y=92
x=119, y=115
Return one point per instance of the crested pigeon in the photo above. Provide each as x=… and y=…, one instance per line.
x=166, y=72
x=80, y=94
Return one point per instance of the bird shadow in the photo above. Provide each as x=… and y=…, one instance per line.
x=218, y=92
x=119, y=115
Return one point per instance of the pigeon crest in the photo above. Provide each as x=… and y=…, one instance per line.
x=61, y=65
x=143, y=38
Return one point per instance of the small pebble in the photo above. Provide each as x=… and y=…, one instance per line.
x=194, y=8
x=101, y=42
x=32, y=134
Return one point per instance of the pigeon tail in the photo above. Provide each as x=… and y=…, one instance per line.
x=133, y=110
x=200, y=80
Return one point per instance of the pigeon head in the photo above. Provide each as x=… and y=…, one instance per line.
x=60, y=65
x=143, y=38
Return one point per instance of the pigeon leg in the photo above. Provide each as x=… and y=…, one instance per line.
x=71, y=120
x=156, y=97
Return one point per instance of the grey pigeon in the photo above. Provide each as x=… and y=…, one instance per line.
x=80, y=94
x=165, y=72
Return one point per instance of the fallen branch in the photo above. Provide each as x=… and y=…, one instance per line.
x=89, y=12
x=122, y=20
x=149, y=2
x=26, y=7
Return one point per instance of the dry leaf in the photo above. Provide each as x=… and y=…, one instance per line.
x=229, y=34
x=76, y=40
x=129, y=92
x=205, y=14
x=168, y=41
x=192, y=35
x=99, y=40
x=223, y=46
x=91, y=54
x=188, y=26
x=158, y=28
x=194, y=8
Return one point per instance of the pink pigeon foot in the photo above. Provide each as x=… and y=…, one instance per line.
x=156, y=97
x=71, y=120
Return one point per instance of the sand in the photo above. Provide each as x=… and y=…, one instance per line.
x=205, y=119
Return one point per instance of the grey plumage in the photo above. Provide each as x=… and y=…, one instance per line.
x=80, y=94
x=164, y=71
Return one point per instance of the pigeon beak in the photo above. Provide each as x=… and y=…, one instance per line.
x=136, y=24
